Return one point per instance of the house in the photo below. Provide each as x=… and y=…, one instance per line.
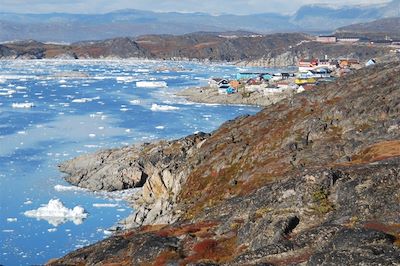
x=307, y=64
x=252, y=75
x=224, y=83
x=235, y=84
x=348, y=39
x=349, y=63
x=326, y=39
x=252, y=82
x=277, y=77
x=265, y=76
x=214, y=82
x=370, y=62
x=321, y=73
x=327, y=64
x=303, y=81
x=285, y=76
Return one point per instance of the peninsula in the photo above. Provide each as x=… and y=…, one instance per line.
x=308, y=180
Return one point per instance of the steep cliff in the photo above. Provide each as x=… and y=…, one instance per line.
x=311, y=180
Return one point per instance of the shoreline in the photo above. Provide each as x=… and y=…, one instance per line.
x=210, y=95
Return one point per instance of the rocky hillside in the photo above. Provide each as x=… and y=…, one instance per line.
x=311, y=180
x=263, y=50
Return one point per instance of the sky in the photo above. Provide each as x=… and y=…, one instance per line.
x=208, y=6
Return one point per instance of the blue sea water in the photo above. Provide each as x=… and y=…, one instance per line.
x=75, y=115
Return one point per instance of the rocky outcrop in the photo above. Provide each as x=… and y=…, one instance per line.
x=311, y=180
x=211, y=95
x=157, y=167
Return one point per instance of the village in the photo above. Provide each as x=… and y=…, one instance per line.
x=310, y=73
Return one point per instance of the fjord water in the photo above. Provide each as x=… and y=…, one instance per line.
x=76, y=107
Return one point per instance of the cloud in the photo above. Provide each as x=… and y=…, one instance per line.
x=208, y=6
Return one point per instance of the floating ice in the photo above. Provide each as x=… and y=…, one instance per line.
x=151, y=84
x=163, y=108
x=85, y=100
x=105, y=205
x=51, y=230
x=23, y=105
x=125, y=79
x=55, y=213
x=92, y=135
x=160, y=127
x=11, y=220
x=107, y=232
x=134, y=102
x=61, y=188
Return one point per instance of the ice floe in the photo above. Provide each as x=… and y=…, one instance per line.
x=55, y=213
x=85, y=100
x=104, y=205
x=133, y=102
x=125, y=79
x=22, y=105
x=151, y=84
x=12, y=220
x=163, y=108
x=61, y=188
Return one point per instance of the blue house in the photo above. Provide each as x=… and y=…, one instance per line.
x=253, y=75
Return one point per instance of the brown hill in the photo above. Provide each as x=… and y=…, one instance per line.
x=268, y=50
x=313, y=179
x=378, y=29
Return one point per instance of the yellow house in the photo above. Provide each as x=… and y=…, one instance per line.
x=302, y=81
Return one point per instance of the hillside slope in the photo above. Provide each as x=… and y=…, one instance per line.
x=313, y=179
x=388, y=27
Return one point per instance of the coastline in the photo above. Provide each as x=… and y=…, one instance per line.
x=211, y=96
x=290, y=176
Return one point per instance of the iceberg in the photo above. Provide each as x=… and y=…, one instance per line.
x=163, y=108
x=104, y=205
x=151, y=84
x=55, y=213
x=23, y=105
x=85, y=100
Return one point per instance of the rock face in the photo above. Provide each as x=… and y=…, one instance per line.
x=157, y=167
x=312, y=180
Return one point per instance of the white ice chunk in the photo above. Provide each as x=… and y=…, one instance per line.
x=23, y=105
x=134, y=102
x=163, y=108
x=104, y=205
x=151, y=84
x=55, y=213
x=61, y=188
x=11, y=220
x=85, y=100
x=160, y=127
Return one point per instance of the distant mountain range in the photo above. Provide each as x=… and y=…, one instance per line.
x=64, y=27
